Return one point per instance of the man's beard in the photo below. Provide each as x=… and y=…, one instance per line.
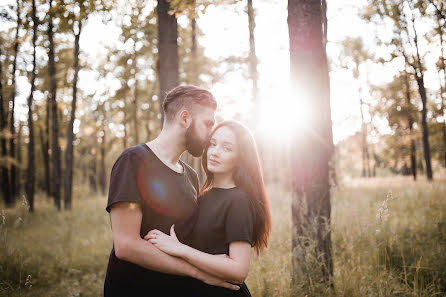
x=194, y=145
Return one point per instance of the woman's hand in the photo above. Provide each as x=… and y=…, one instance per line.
x=166, y=243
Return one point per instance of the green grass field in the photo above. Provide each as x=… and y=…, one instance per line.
x=383, y=244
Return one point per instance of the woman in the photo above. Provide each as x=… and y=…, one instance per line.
x=233, y=212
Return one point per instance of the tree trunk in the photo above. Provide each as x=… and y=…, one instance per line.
x=364, y=150
x=311, y=152
x=326, y=74
x=167, y=51
x=425, y=129
x=442, y=88
x=102, y=176
x=18, y=184
x=253, y=56
x=194, y=52
x=12, y=149
x=55, y=149
x=413, y=157
x=124, y=141
x=68, y=189
x=46, y=157
x=30, y=177
x=419, y=76
x=4, y=151
x=135, y=111
x=93, y=173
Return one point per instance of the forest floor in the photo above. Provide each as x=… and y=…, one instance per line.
x=383, y=244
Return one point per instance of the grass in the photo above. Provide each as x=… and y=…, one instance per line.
x=383, y=244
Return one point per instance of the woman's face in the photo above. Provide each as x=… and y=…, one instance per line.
x=223, y=151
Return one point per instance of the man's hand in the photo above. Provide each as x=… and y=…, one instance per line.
x=214, y=281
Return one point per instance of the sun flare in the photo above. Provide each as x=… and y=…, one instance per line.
x=283, y=113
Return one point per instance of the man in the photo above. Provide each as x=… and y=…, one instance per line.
x=151, y=188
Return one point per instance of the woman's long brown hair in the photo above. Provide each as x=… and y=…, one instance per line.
x=249, y=178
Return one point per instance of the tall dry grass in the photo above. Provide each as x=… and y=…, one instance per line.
x=389, y=239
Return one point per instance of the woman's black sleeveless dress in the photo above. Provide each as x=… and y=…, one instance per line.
x=224, y=216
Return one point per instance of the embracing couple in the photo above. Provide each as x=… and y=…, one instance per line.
x=171, y=238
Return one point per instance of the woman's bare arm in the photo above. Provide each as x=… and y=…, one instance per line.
x=233, y=268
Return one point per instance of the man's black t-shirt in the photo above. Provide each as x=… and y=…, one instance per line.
x=166, y=197
x=224, y=216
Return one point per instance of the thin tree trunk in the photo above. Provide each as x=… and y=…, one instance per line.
x=443, y=113
x=413, y=157
x=30, y=177
x=4, y=151
x=46, y=150
x=124, y=141
x=68, y=189
x=55, y=149
x=194, y=52
x=442, y=88
x=364, y=149
x=150, y=111
x=93, y=173
x=363, y=141
x=102, y=176
x=419, y=76
x=425, y=129
x=310, y=165
x=252, y=54
x=12, y=149
x=135, y=111
x=45, y=156
x=167, y=50
x=19, y=160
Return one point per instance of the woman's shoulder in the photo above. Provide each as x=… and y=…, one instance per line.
x=238, y=193
x=239, y=198
x=228, y=195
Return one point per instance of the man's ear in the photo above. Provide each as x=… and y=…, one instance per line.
x=185, y=118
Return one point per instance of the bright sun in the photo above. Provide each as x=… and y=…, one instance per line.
x=283, y=114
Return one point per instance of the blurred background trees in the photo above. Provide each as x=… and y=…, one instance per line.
x=81, y=111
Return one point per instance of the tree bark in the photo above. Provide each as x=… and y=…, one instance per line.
x=18, y=182
x=45, y=157
x=167, y=51
x=419, y=77
x=313, y=150
x=425, y=129
x=30, y=177
x=92, y=170
x=410, y=121
x=124, y=141
x=68, y=189
x=135, y=109
x=365, y=150
x=4, y=151
x=12, y=149
x=102, y=176
x=55, y=149
x=442, y=88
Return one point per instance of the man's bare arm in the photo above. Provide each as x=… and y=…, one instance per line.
x=129, y=246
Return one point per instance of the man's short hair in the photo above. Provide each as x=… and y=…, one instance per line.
x=188, y=97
